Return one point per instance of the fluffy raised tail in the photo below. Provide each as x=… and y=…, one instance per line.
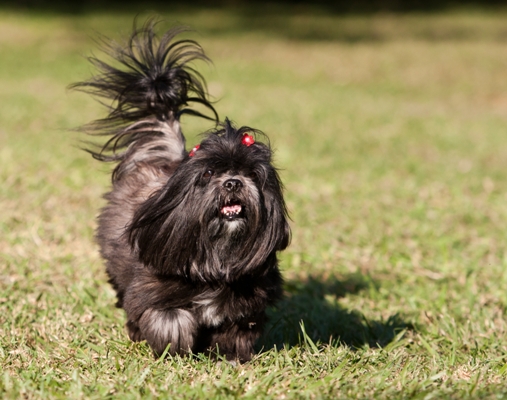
x=149, y=84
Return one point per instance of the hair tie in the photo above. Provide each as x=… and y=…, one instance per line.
x=192, y=152
x=247, y=140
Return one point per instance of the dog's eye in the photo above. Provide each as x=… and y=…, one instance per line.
x=208, y=174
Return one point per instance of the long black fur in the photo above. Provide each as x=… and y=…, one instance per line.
x=190, y=240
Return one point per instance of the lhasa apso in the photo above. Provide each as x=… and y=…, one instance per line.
x=190, y=239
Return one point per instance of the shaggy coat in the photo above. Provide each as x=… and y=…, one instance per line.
x=189, y=239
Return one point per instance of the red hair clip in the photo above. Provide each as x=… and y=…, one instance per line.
x=192, y=152
x=247, y=140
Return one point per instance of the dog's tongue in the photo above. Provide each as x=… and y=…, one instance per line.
x=231, y=209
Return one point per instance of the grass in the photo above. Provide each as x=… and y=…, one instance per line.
x=390, y=134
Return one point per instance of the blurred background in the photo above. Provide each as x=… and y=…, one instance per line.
x=367, y=6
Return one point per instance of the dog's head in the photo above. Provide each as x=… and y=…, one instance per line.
x=221, y=215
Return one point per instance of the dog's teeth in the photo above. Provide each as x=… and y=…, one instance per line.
x=231, y=209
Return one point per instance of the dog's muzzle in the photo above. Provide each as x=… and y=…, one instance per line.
x=233, y=185
x=232, y=207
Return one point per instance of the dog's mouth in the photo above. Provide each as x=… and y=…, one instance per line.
x=232, y=209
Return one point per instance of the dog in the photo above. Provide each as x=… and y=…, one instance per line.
x=190, y=239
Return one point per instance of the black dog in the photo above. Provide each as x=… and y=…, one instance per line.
x=190, y=239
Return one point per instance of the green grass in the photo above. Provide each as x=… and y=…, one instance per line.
x=390, y=131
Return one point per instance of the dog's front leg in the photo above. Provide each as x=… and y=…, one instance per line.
x=236, y=340
x=176, y=327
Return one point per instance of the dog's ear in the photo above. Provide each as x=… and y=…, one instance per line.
x=277, y=229
x=284, y=236
x=277, y=210
x=164, y=227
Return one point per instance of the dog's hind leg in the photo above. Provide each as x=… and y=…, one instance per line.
x=176, y=327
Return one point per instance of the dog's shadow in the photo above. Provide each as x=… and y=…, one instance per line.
x=314, y=305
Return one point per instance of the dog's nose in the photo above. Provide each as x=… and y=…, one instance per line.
x=232, y=185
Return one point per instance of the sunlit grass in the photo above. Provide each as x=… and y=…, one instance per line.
x=389, y=132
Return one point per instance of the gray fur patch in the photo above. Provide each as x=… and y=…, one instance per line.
x=161, y=327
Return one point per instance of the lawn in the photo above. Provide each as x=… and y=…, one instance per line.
x=390, y=131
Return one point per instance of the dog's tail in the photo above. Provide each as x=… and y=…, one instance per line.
x=150, y=84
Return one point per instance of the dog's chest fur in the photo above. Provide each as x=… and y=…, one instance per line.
x=214, y=306
x=208, y=308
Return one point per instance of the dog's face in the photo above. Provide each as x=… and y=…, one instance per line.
x=221, y=214
x=232, y=202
